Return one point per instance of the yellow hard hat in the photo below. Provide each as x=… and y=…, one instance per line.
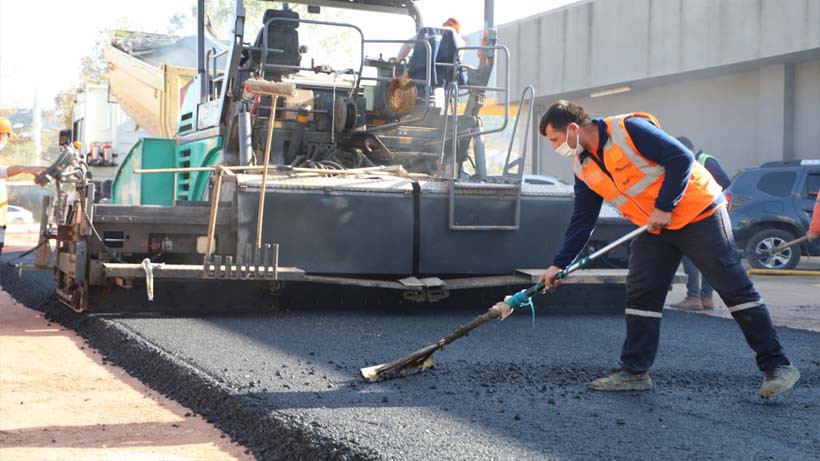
x=5, y=127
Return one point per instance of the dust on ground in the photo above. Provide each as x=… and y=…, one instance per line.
x=59, y=400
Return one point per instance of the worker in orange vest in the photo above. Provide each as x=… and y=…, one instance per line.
x=653, y=180
x=6, y=132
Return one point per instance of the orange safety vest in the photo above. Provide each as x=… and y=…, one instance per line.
x=635, y=181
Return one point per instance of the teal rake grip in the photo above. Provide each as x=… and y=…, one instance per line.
x=524, y=297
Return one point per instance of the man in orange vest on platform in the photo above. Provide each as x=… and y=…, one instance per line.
x=653, y=180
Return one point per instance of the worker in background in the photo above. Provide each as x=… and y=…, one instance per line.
x=6, y=133
x=64, y=138
x=450, y=23
x=698, y=290
x=443, y=51
x=653, y=180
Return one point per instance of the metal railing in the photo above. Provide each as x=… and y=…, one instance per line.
x=528, y=90
x=450, y=100
x=470, y=132
x=428, y=85
x=514, y=186
x=427, y=82
x=265, y=50
x=211, y=59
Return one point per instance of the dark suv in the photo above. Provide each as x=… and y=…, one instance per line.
x=772, y=205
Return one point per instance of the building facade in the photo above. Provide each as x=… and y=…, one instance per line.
x=741, y=78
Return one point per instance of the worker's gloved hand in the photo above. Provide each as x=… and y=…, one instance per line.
x=548, y=276
x=658, y=220
x=812, y=236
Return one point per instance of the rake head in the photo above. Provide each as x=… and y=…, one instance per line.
x=267, y=87
x=387, y=371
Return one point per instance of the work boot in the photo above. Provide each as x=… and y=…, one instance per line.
x=778, y=380
x=708, y=303
x=622, y=380
x=690, y=303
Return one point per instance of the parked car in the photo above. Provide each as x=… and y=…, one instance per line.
x=544, y=180
x=772, y=205
x=19, y=215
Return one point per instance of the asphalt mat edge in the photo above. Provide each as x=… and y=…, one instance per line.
x=268, y=435
x=577, y=409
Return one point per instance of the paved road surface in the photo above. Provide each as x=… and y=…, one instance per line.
x=505, y=392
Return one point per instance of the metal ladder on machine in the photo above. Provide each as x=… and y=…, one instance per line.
x=506, y=187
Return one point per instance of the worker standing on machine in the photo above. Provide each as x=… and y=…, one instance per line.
x=443, y=49
x=450, y=23
x=653, y=180
x=6, y=133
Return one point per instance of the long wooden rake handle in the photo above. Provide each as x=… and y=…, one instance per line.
x=420, y=359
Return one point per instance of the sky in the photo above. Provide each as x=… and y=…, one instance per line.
x=42, y=41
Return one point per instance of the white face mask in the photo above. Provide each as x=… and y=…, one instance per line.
x=3, y=141
x=565, y=151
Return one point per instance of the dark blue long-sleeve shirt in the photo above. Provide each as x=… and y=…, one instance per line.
x=654, y=144
x=713, y=167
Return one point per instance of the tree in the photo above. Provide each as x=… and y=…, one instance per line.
x=94, y=67
x=20, y=150
x=64, y=106
x=329, y=44
x=176, y=24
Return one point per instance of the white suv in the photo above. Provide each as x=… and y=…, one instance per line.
x=18, y=215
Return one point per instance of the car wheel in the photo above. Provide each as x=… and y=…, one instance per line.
x=759, y=245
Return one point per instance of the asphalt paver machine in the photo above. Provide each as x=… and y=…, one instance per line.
x=285, y=173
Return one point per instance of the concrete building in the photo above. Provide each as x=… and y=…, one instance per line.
x=741, y=78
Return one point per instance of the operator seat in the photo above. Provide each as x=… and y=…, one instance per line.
x=282, y=35
x=443, y=46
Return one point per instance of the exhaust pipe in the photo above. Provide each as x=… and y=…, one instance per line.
x=245, y=141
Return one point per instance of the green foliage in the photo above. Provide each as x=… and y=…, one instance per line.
x=51, y=148
x=328, y=45
x=176, y=24
x=94, y=67
x=221, y=14
x=20, y=151
x=64, y=106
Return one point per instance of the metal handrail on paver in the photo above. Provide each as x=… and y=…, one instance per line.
x=528, y=95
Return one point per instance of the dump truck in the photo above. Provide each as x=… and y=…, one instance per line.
x=148, y=89
x=269, y=173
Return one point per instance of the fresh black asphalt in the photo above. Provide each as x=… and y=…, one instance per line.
x=287, y=384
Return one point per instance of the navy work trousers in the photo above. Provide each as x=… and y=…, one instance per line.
x=709, y=244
